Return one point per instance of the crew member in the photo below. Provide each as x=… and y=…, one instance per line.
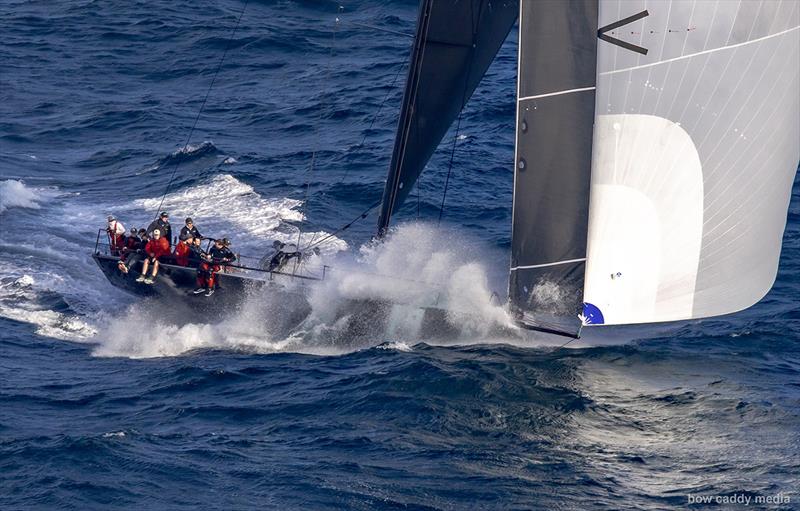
x=132, y=240
x=196, y=253
x=283, y=254
x=189, y=229
x=183, y=250
x=116, y=235
x=155, y=248
x=219, y=254
x=162, y=224
x=133, y=244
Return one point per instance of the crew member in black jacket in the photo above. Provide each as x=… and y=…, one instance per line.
x=218, y=255
x=162, y=224
x=190, y=230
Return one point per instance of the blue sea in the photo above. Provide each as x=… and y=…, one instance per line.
x=108, y=401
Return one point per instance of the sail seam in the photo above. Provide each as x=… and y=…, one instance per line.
x=557, y=93
x=543, y=265
x=704, y=52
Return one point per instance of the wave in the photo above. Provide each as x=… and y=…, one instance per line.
x=47, y=280
x=15, y=194
x=47, y=312
x=190, y=152
x=225, y=206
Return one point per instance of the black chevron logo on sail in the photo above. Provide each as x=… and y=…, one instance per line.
x=601, y=33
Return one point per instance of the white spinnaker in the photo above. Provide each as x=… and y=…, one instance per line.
x=696, y=146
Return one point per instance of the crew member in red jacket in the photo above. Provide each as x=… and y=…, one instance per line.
x=157, y=247
x=182, y=250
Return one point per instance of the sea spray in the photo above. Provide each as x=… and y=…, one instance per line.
x=226, y=206
x=15, y=194
x=418, y=271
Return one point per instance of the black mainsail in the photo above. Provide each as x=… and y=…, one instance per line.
x=555, y=115
x=455, y=42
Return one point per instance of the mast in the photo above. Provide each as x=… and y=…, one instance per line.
x=454, y=44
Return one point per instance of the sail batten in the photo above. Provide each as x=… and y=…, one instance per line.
x=557, y=93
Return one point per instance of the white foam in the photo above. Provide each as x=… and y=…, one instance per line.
x=194, y=148
x=143, y=332
x=396, y=346
x=225, y=206
x=418, y=266
x=14, y=194
x=230, y=160
x=19, y=302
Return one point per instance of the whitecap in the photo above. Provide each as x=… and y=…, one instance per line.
x=188, y=149
x=14, y=194
x=396, y=346
x=225, y=206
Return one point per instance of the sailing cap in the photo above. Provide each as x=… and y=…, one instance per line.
x=164, y=214
x=111, y=218
x=156, y=232
x=189, y=220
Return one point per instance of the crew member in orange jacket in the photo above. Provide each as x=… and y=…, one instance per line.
x=182, y=250
x=157, y=247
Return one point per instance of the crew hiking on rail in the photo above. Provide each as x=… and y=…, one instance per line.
x=153, y=247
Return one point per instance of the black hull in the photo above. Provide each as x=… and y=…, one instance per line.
x=279, y=304
x=174, y=286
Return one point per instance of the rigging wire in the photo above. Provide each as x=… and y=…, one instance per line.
x=380, y=29
x=461, y=111
x=313, y=243
x=375, y=117
x=577, y=336
x=327, y=80
x=202, y=106
x=450, y=166
x=362, y=215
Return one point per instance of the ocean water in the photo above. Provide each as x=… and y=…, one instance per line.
x=110, y=402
